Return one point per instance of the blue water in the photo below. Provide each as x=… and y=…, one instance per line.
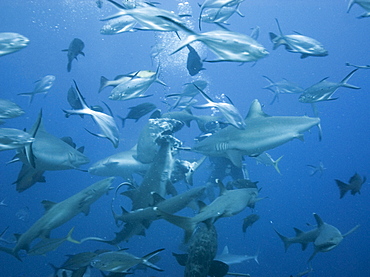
x=293, y=196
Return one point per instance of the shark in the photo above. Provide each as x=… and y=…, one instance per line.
x=262, y=132
x=324, y=237
x=230, y=259
x=105, y=122
x=229, y=203
x=56, y=214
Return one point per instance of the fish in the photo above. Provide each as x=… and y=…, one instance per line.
x=202, y=250
x=135, y=87
x=2, y=234
x=48, y=152
x=365, y=4
x=219, y=15
x=50, y=244
x=138, y=112
x=9, y=109
x=23, y=214
x=121, y=261
x=41, y=86
x=188, y=93
x=2, y=203
x=230, y=259
x=258, y=136
x=320, y=168
x=267, y=160
x=74, y=49
x=13, y=139
x=79, y=260
x=324, y=90
x=119, y=25
x=12, y=42
x=283, y=86
x=105, y=122
x=28, y=176
x=56, y=214
x=194, y=63
x=121, y=164
x=249, y=221
x=325, y=237
x=229, y=203
x=298, y=43
x=229, y=111
x=354, y=185
x=226, y=45
x=149, y=17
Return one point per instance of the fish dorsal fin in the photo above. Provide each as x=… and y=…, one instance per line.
x=157, y=198
x=201, y=205
x=86, y=210
x=298, y=232
x=17, y=236
x=47, y=204
x=318, y=220
x=225, y=251
x=221, y=186
x=255, y=110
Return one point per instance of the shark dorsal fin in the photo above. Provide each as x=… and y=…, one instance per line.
x=298, y=232
x=255, y=110
x=86, y=210
x=47, y=204
x=221, y=186
x=157, y=198
x=225, y=251
x=201, y=205
x=318, y=220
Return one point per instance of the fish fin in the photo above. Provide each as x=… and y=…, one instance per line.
x=157, y=198
x=221, y=186
x=225, y=251
x=285, y=240
x=48, y=204
x=103, y=83
x=10, y=251
x=235, y=157
x=69, y=237
x=276, y=164
x=343, y=188
x=123, y=120
x=82, y=53
x=147, y=257
x=303, y=56
x=313, y=255
x=345, y=79
x=201, y=205
x=86, y=210
x=318, y=219
x=351, y=231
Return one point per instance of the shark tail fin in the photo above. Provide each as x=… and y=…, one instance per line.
x=147, y=257
x=343, y=188
x=10, y=251
x=185, y=223
x=344, y=81
x=285, y=240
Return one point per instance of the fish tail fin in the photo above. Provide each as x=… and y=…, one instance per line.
x=69, y=237
x=69, y=66
x=276, y=164
x=255, y=257
x=350, y=4
x=147, y=257
x=10, y=251
x=285, y=240
x=185, y=223
x=123, y=120
x=103, y=83
x=344, y=81
x=343, y=188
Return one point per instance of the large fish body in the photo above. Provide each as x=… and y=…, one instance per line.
x=227, y=45
x=13, y=138
x=263, y=132
x=119, y=25
x=323, y=90
x=122, y=164
x=9, y=109
x=105, y=122
x=122, y=261
x=42, y=86
x=59, y=213
x=52, y=153
x=298, y=43
x=12, y=42
x=354, y=185
x=202, y=250
x=149, y=17
x=75, y=48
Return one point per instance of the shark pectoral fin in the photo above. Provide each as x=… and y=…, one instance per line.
x=313, y=255
x=235, y=157
x=157, y=198
x=300, y=137
x=304, y=246
x=48, y=204
x=86, y=210
x=351, y=231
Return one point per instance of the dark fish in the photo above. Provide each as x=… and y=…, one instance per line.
x=138, y=112
x=28, y=176
x=23, y=214
x=202, y=250
x=249, y=221
x=194, y=63
x=355, y=184
x=75, y=48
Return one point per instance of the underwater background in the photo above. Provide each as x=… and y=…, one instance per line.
x=292, y=196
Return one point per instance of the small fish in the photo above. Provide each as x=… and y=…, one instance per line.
x=121, y=261
x=188, y=93
x=219, y=15
x=354, y=185
x=280, y=87
x=12, y=42
x=194, y=63
x=23, y=214
x=42, y=86
x=267, y=160
x=13, y=138
x=9, y=109
x=249, y=221
x=320, y=168
x=75, y=48
x=138, y=112
x=298, y=43
x=359, y=66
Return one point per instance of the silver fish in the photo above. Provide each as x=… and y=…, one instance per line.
x=42, y=86
x=12, y=42
x=119, y=25
x=280, y=87
x=9, y=109
x=13, y=139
